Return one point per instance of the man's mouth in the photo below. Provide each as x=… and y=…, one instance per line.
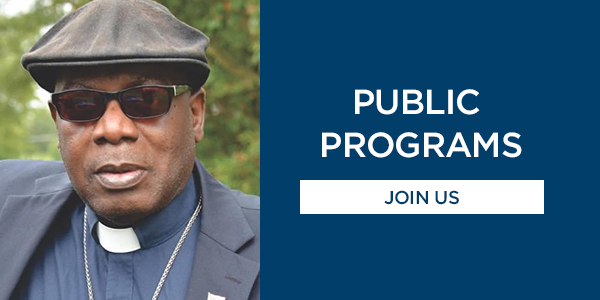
x=123, y=176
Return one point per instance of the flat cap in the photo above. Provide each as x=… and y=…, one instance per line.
x=110, y=32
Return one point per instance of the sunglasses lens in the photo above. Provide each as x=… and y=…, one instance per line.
x=145, y=102
x=80, y=105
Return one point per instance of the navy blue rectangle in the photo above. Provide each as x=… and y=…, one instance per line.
x=535, y=66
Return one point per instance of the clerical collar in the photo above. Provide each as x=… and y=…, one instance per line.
x=150, y=232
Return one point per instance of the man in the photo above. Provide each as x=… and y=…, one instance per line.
x=131, y=214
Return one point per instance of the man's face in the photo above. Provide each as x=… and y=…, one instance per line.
x=127, y=169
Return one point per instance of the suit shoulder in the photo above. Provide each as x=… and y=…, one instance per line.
x=31, y=169
x=250, y=205
x=19, y=175
x=247, y=201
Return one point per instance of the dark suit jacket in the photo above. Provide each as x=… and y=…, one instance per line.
x=34, y=195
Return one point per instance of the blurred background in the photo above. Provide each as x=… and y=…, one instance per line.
x=231, y=147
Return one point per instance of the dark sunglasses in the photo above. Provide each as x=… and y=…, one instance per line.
x=138, y=102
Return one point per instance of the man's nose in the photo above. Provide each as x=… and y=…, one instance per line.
x=114, y=126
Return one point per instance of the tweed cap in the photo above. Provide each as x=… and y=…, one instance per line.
x=111, y=32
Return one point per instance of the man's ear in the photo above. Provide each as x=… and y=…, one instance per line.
x=197, y=103
x=53, y=112
x=54, y=115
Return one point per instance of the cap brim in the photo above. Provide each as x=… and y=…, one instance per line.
x=45, y=73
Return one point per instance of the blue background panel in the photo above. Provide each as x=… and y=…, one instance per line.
x=535, y=66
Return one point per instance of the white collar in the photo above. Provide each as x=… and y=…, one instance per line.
x=117, y=240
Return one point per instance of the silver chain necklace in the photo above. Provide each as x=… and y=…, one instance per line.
x=165, y=273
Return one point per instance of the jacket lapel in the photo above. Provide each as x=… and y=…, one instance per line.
x=221, y=272
x=29, y=217
x=218, y=269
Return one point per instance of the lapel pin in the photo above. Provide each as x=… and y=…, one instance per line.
x=212, y=296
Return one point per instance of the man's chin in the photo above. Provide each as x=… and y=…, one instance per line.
x=120, y=216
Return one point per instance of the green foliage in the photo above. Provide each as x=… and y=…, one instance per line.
x=17, y=34
x=231, y=147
